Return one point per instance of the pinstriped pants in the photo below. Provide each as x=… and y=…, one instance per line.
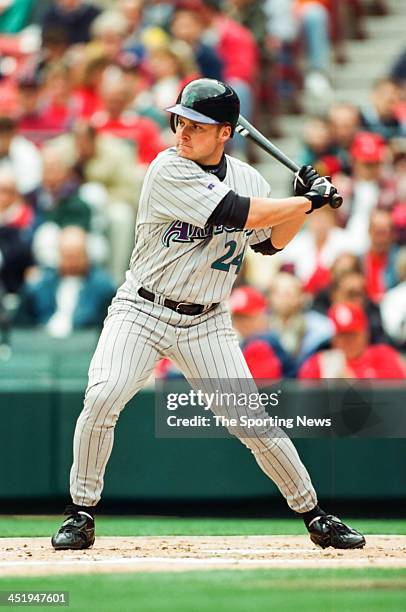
x=136, y=334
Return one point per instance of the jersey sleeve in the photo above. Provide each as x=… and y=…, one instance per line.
x=181, y=190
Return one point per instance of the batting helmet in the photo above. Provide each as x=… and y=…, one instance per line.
x=207, y=101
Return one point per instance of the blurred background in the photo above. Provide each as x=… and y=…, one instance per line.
x=83, y=88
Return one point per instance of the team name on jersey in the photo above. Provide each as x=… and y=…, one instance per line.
x=180, y=231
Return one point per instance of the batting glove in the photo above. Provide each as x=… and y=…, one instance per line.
x=304, y=180
x=321, y=193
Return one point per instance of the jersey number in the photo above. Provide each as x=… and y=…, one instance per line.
x=225, y=261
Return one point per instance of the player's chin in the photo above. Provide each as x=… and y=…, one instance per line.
x=183, y=151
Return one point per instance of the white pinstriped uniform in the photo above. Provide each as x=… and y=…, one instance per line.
x=178, y=256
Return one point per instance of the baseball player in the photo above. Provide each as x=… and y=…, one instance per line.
x=199, y=211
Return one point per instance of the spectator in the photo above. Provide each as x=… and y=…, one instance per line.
x=118, y=119
x=54, y=46
x=29, y=115
x=262, y=350
x=16, y=220
x=188, y=25
x=379, y=260
x=393, y=305
x=313, y=16
x=319, y=148
x=252, y=15
x=314, y=19
x=281, y=42
x=19, y=156
x=398, y=154
x=133, y=13
x=73, y=296
x=350, y=287
x=322, y=241
x=59, y=107
x=300, y=332
x=371, y=186
x=108, y=161
x=71, y=16
x=380, y=116
x=236, y=47
x=58, y=200
x=171, y=67
x=351, y=356
x=346, y=262
x=344, y=121
x=102, y=158
x=108, y=32
x=87, y=89
x=45, y=109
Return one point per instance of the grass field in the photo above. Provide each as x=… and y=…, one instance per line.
x=335, y=590
x=17, y=526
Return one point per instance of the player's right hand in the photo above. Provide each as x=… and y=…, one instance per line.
x=321, y=193
x=304, y=180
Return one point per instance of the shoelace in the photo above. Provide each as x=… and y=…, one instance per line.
x=336, y=524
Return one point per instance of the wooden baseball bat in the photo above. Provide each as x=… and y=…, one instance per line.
x=246, y=129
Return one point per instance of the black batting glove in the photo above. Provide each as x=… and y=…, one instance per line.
x=321, y=193
x=304, y=179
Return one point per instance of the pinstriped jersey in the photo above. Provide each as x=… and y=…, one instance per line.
x=177, y=254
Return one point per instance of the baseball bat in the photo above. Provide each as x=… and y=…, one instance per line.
x=246, y=129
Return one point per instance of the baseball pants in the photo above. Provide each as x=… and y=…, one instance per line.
x=136, y=334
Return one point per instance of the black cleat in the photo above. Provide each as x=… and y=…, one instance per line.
x=328, y=530
x=76, y=532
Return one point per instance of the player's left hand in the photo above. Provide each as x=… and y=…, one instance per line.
x=304, y=179
x=321, y=193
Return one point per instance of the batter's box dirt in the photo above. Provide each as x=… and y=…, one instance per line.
x=36, y=557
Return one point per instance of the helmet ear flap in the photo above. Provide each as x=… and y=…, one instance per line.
x=174, y=118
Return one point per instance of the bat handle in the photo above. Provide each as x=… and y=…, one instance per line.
x=337, y=201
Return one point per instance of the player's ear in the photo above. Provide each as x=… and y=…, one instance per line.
x=225, y=132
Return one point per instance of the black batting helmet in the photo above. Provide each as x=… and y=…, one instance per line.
x=207, y=101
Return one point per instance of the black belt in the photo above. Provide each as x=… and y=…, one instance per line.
x=181, y=307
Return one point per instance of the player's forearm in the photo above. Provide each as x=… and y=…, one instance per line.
x=270, y=212
x=282, y=234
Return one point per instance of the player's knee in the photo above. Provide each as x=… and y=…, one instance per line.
x=99, y=396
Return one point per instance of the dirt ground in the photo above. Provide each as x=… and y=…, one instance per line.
x=35, y=556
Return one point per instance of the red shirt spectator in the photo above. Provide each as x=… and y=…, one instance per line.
x=238, y=49
x=263, y=353
x=261, y=360
x=235, y=44
x=139, y=130
x=351, y=356
x=117, y=119
x=87, y=101
x=376, y=361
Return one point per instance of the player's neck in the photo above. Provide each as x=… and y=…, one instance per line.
x=218, y=169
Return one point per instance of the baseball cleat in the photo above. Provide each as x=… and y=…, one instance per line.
x=328, y=530
x=76, y=532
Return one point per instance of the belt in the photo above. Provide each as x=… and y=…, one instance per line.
x=181, y=307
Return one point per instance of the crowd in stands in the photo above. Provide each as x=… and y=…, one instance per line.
x=83, y=91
